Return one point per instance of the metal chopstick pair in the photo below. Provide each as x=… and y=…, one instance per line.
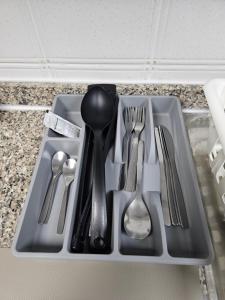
x=174, y=210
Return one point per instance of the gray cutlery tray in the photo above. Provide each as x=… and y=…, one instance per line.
x=167, y=245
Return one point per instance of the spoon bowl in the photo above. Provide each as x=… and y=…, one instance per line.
x=97, y=109
x=58, y=160
x=137, y=222
x=69, y=168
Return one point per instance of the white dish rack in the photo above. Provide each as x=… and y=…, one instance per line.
x=215, y=95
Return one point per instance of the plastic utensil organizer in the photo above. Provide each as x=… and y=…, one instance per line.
x=167, y=245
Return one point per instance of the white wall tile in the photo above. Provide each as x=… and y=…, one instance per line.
x=94, y=28
x=117, y=40
x=17, y=35
x=191, y=30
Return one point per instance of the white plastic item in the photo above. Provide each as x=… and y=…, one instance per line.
x=215, y=95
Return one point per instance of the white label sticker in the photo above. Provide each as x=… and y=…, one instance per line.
x=61, y=126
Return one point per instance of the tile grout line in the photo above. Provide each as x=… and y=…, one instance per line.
x=28, y=107
x=37, y=33
x=148, y=62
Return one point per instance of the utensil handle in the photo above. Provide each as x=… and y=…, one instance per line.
x=163, y=187
x=78, y=238
x=132, y=168
x=139, y=168
x=62, y=214
x=48, y=202
x=98, y=213
x=169, y=180
x=125, y=159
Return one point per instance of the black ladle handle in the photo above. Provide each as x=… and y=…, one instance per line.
x=99, y=213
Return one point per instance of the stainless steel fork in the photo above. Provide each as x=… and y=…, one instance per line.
x=132, y=168
x=129, y=117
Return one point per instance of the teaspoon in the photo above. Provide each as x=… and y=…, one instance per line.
x=58, y=160
x=68, y=173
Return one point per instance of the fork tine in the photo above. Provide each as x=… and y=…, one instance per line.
x=125, y=116
x=144, y=112
x=139, y=114
x=142, y=115
x=135, y=114
x=131, y=114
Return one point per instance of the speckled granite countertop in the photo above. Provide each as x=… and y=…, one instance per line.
x=43, y=94
x=20, y=138
x=21, y=134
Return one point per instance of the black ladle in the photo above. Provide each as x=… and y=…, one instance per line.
x=97, y=110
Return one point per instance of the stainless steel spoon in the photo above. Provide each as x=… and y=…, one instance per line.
x=69, y=168
x=58, y=160
x=137, y=220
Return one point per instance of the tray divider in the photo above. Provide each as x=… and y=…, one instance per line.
x=115, y=222
x=162, y=226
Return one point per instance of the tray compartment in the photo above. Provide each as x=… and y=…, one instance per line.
x=36, y=237
x=147, y=134
x=67, y=243
x=67, y=107
x=194, y=241
x=150, y=246
x=111, y=184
